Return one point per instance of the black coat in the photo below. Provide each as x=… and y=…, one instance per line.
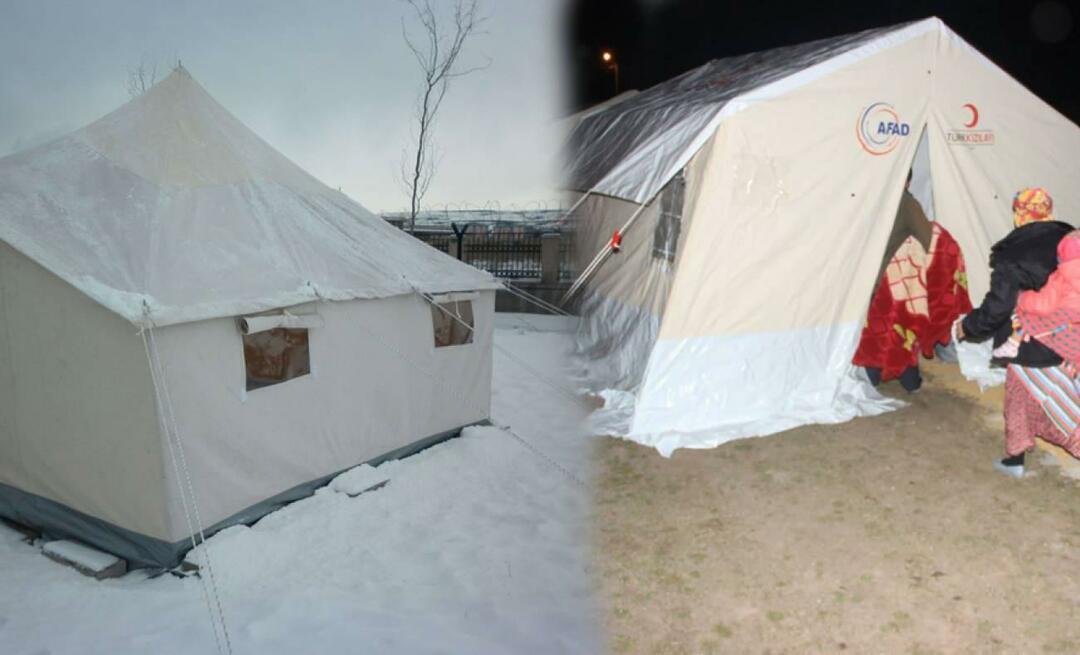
x=1022, y=261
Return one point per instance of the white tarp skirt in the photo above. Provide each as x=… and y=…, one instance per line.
x=700, y=393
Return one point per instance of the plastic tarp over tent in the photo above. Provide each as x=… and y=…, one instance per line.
x=136, y=255
x=632, y=151
x=794, y=161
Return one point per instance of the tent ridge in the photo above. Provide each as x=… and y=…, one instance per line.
x=623, y=179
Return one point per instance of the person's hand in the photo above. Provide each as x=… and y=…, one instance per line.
x=958, y=329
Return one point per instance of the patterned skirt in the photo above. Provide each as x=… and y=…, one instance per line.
x=1041, y=402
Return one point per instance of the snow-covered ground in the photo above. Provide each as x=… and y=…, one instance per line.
x=478, y=545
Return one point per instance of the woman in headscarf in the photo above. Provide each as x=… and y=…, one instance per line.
x=1044, y=401
x=1022, y=261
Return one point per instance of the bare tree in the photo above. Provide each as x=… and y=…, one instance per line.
x=141, y=78
x=437, y=55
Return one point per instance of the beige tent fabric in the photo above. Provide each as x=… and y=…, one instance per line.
x=1032, y=145
x=805, y=218
x=78, y=424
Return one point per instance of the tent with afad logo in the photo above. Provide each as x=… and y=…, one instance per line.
x=751, y=200
x=193, y=330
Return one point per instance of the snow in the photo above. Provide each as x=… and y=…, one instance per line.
x=170, y=210
x=80, y=555
x=478, y=545
x=362, y=478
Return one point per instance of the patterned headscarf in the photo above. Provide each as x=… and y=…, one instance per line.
x=1031, y=205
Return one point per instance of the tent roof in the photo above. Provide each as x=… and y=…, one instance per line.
x=633, y=148
x=170, y=210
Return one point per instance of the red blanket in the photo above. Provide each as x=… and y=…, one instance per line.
x=914, y=306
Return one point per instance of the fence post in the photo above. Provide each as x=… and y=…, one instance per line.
x=549, y=258
x=458, y=249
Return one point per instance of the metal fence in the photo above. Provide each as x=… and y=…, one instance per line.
x=566, y=257
x=536, y=256
x=440, y=240
x=510, y=253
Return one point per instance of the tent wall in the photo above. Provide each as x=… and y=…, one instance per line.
x=620, y=306
x=623, y=302
x=1033, y=145
x=779, y=262
x=78, y=424
x=377, y=384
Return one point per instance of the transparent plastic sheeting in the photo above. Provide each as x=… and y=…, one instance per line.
x=611, y=341
x=703, y=392
x=631, y=150
x=170, y=210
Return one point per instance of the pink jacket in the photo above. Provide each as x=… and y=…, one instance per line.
x=1061, y=293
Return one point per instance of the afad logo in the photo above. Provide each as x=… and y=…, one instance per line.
x=972, y=135
x=879, y=129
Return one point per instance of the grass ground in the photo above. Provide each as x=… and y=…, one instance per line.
x=882, y=535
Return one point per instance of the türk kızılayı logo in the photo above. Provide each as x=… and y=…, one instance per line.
x=972, y=134
x=879, y=129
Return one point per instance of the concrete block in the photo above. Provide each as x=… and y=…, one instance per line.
x=85, y=560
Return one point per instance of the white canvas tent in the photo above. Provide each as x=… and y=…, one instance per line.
x=757, y=194
x=153, y=265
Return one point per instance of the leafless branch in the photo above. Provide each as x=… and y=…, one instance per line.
x=438, y=57
x=141, y=77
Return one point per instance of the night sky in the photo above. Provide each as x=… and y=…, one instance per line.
x=1037, y=42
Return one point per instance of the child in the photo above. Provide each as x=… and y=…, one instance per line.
x=1045, y=315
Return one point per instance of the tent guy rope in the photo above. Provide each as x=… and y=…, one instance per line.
x=611, y=246
x=534, y=300
x=528, y=446
x=179, y=463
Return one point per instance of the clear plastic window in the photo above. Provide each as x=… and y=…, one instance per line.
x=666, y=236
x=452, y=322
x=276, y=356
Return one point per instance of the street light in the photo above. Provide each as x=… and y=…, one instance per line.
x=609, y=59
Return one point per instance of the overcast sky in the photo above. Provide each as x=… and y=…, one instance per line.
x=329, y=83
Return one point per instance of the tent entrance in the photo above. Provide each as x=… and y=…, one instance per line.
x=921, y=287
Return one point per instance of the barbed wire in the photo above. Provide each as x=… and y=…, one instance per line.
x=491, y=206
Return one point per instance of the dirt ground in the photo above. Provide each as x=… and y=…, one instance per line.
x=882, y=535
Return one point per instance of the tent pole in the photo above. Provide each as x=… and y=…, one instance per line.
x=606, y=251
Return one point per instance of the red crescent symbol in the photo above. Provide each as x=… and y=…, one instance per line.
x=974, y=115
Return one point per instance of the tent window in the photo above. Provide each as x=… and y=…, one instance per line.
x=666, y=237
x=275, y=356
x=453, y=323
